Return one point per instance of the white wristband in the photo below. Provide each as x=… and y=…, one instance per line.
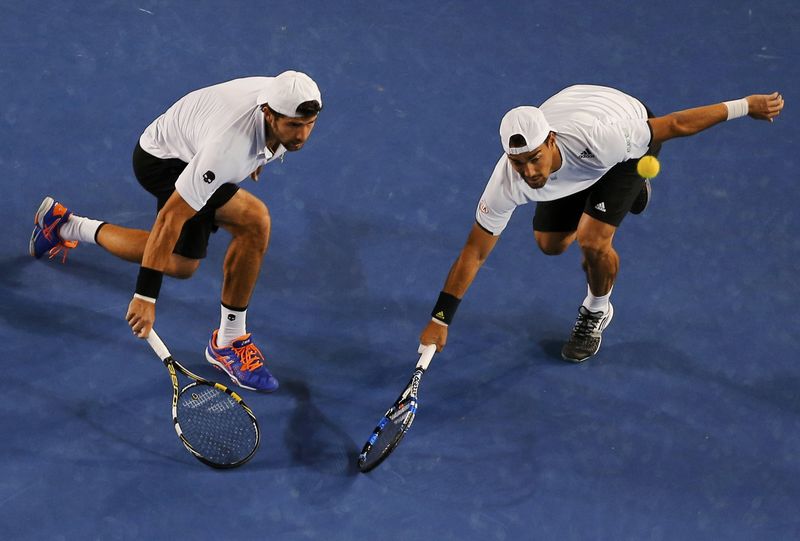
x=143, y=298
x=442, y=323
x=737, y=108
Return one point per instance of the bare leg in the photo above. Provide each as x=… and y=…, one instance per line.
x=600, y=260
x=128, y=244
x=246, y=218
x=125, y=243
x=554, y=243
x=601, y=264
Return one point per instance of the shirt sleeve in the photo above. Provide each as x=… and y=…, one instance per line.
x=496, y=205
x=617, y=141
x=214, y=165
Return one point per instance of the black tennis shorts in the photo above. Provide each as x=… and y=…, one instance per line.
x=158, y=176
x=607, y=200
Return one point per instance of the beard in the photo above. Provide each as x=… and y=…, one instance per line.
x=292, y=146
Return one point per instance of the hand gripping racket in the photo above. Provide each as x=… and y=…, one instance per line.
x=212, y=421
x=397, y=420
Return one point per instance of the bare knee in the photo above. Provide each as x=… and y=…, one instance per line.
x=253, y=225
x=595, y=237
x=594, y=248
x=182, y=267
x=553, y=243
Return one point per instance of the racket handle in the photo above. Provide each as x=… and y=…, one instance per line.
x=157, y=345
x=427, y=354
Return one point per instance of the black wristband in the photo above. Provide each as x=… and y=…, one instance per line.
x=148, y=283
x=445, y=309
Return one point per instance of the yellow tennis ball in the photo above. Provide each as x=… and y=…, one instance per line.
x=648, y=166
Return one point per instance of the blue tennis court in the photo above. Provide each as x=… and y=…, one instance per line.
x=686, y=425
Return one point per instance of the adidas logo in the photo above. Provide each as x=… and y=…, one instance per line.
x=601, y=206
x=439, y=315
x=586, y=154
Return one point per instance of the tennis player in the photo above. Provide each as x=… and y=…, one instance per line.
x=192, y=159
x=576, y=157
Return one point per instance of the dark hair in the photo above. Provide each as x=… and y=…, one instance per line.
x=516, y=141
x=305, y=109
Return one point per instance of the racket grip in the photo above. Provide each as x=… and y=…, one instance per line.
x=157, y=345
x=427, y=354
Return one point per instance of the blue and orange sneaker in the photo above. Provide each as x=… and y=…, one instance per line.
x=45, y=239
x=243, y=362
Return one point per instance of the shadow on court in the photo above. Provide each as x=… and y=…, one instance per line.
x=314, y=439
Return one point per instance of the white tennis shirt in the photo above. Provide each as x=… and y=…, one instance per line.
x=219, y=131
x=597, y=127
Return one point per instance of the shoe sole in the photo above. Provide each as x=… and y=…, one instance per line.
x=40, y=212
x=222, y=368
x=32, y=242
x=605, y=324
x=47, y=202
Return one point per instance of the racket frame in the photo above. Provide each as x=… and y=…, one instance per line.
x=173, y=366
x=409, y=397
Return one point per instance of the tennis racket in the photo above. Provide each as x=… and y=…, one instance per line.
x=212, y=421
x=397, y=420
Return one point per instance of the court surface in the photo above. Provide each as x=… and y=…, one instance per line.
x=686, y=425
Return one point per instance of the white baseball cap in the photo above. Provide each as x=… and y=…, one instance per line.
x=285, y=92
x=527, y=121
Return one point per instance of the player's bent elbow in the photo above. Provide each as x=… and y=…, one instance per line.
x=676, y=127
x=681, y=130
x=169, y=220
x=472, y=258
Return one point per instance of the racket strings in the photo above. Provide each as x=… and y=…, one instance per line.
x=388, y=433
x=215, y=425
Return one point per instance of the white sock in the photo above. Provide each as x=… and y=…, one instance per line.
x=597, y=304
x=80, y=229
x=232, y=325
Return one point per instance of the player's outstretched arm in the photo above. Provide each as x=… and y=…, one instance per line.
x=692, y=121
x=477, y=248
x=166, y=230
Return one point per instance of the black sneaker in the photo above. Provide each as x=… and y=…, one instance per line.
x=643, y=199
x=586, y=334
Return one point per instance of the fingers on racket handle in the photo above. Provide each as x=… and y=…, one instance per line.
x=426, y=355
x=157, y=345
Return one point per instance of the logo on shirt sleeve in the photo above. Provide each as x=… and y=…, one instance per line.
x=209, y=177
x=483, y=208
